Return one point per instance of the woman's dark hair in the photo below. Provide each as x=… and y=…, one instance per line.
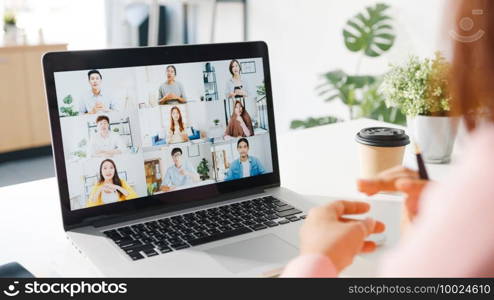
x=174, y=69
x=176, y=150
x=94, y=72
x=115, y=180
x=180, y=122
x=233, y=129
x=101, y=118
x=243, y=140
x=231, y=66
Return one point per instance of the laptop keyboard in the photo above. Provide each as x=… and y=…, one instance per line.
x=192, y=229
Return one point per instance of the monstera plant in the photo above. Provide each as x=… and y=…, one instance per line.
x=369, y=34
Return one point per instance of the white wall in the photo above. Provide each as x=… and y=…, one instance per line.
x=198, y=116
x=79, y=23
x=152, y=123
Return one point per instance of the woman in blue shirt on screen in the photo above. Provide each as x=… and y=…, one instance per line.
x=246, y=165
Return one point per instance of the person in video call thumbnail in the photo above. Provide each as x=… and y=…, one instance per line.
x=245, y=166
x=180, y=173
x=96, y=100
x=105, y=143
x=235, y=86
x=240, y=123
x=176, y=133
x=110, y=187
x=171, y=91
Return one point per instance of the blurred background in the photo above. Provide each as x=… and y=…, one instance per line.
x=327, y=56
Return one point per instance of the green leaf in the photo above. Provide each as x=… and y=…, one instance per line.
x=68, y=99
x=331, y=98
x=373, y=106
x=313, y=122
x=335, y=77
x=370, y=32
x=360, y=81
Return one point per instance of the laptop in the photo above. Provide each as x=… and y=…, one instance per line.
x=166, y=160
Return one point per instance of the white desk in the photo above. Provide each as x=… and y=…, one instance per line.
x=320, y=161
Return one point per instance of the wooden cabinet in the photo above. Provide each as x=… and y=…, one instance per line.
x=23, y=110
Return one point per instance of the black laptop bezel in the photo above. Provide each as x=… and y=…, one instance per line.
x=129, y=57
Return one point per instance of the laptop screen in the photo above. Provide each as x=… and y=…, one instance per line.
x=133, y=132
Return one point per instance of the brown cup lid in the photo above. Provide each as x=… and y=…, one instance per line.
x=383, y=137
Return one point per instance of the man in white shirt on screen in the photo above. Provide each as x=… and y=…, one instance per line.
x=180, y=173
x=105, y=143
x=96, y=101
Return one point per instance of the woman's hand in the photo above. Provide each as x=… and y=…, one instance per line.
x=326, y=232
x=109, y=188
x=120, y=189
x=399, y=179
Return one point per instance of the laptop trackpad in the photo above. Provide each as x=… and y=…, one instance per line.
x=253, y=253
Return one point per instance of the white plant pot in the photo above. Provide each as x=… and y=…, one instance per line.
x=10, y=36
x=435, y=136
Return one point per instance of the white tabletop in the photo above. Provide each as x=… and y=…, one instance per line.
x=322, y=161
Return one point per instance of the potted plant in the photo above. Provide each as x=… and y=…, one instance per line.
x=419, y=88
x=10, y=28
x=67, y=110
x=261, y=90
x=369, y=34
x=216, y=122
x=203, y=169
x=80, y=152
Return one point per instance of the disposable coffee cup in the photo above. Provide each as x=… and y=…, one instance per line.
x=381, y=148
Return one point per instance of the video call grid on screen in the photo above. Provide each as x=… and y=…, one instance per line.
x=132, y=132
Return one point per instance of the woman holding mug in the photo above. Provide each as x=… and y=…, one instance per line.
x=235, y=87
